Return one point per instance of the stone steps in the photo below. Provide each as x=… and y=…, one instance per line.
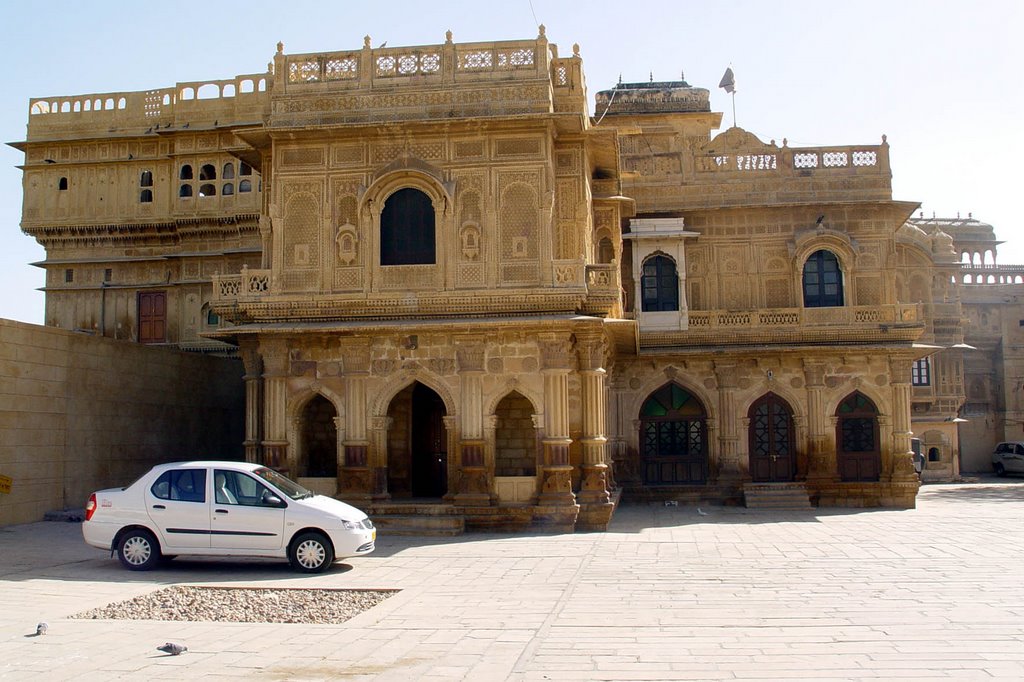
x=439, y=520
x=776, y=496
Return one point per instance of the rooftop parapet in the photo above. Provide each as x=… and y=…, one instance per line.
x=653, y=98
x=426, y=82
x=242, y=99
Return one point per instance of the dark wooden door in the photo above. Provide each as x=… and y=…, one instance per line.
x=858, y=453
x=673, y=438
x=153, y=317
x=429, y=444
x=771, y=441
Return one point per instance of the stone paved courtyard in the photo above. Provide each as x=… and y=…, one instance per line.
x=666, y=594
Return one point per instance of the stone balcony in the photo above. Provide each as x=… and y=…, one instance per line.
x=257, y=294
x=896, y=323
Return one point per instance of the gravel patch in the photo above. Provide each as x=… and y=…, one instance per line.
x=243, y=605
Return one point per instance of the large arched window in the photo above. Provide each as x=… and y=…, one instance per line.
x=659, y=285
x=407, y=229
x=823, y=281
x=673, y=438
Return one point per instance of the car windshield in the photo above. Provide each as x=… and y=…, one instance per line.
x=284, y=484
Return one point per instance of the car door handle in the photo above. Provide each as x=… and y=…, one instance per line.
x=159, y=506
x=220, y=511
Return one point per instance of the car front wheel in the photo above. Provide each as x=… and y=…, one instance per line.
x=1000, y=469
x=311, y=553
x=138, y=550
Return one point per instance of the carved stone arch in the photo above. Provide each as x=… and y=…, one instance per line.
x=834, y=398
x=406, y=378
x=390, y=179
x=659, y=379
x=787, y=395
x=302, y=398
x=837, y=243
x=496, y=396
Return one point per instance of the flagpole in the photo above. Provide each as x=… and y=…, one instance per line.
x=733, y=108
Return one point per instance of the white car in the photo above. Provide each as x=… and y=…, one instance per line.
x=1008, y=458
x=224, y=509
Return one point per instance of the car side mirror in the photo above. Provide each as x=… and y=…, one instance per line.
x=271, y=500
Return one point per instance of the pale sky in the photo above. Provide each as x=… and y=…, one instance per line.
x=940, y=78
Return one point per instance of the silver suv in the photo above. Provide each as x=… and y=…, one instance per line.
x=1008, y=458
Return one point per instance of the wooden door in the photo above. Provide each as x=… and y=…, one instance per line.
x=152, y=317
x=771, y=440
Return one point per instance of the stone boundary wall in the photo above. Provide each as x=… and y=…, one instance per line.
x=79, y=413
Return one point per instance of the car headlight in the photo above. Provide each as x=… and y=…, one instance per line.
x=350, y=525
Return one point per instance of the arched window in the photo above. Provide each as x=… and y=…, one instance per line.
x=185, y=191
x=146, y=196
x=62, y=184
x=146, y=180
x=823, y=281
x=659, y=285
x=207, y=172
x=605, y=251
x=186, y=172
x=244, y=169
x=407, y=229
x=673, y=438
x=859, y=454
x=227, y=190
x=207, y=190
x=244, y=186
x=229, y=171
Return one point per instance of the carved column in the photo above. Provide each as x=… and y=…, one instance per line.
x=357, y=479
x=556, y=362
x=275, y=400
x=594, y=487
x=253, y=393
x=726, y=375
x=902, y=469
x=473, y=485
x=821, y=459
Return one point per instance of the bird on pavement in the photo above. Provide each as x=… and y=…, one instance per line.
x=173, y=649
x=701, y=512
x=41, y=629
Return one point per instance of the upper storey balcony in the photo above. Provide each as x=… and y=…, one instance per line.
x=434, y=82
x=242, y=100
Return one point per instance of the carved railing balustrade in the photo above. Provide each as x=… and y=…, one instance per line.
x=195, y=104
x=972, y=273
x=247, y=286
x=800, y=161
x=768, y=318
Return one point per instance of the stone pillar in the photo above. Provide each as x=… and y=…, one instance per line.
x=726, y=375
x=275, y=401
x=253, y=399
x=821, y=459
x=473, y=485
x=595, y=501
x=591, y=355
x=557, y=504
x=357, y=480
x=902, y=469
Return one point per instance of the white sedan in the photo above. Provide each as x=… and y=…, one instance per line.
x=224, y=509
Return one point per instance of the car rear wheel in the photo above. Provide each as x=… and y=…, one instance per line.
x=138, y=550
x=1000, y=469
x=311, y=553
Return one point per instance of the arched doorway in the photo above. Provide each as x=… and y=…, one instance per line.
x=858, y=452
x=673, y=438
x=770, y=437
x=417, y=444
x=319, y=439
x=515, y=438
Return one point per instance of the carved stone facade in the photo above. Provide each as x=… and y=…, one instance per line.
x=479, y=297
